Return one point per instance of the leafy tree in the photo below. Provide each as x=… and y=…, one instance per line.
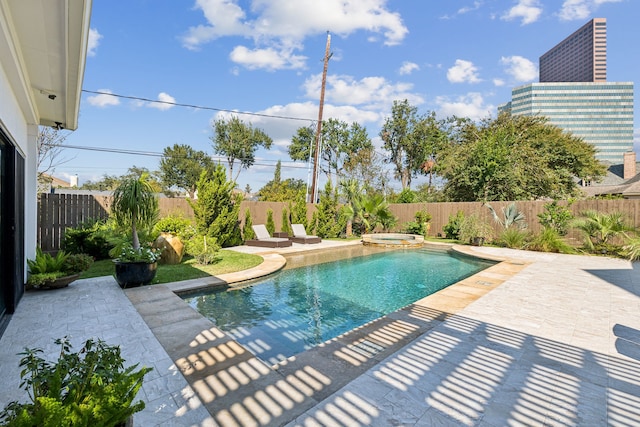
x=49, y=143
x=340, y=143
x=110, y=182
x=286, y=228
x=278, y=190
x=410, y=139
x=135, y=205
x=367, y=167
x=237, y=140
x=515, y=158
x=181, y=166
x=217, y=207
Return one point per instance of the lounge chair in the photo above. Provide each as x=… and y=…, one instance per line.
x=263, y=239
x=300, y=235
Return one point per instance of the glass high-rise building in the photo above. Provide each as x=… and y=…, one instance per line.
x=574, y=95
x=600, y=113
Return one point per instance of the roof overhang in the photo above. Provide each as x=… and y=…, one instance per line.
x=43, y=48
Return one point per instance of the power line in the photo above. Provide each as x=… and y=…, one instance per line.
x=291, y=165
x=197, y=107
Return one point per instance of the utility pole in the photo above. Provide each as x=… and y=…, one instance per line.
x=314, y=185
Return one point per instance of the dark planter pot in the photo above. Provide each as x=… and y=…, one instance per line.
x=133, y=274
x=477, y=241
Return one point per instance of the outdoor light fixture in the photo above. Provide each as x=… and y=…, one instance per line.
x=50, y=95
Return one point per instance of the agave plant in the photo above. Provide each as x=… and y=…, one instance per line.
x=510, y=216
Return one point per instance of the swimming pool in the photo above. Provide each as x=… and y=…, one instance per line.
x=297, y=309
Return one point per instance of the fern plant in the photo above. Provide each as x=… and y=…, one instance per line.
x=45, y=263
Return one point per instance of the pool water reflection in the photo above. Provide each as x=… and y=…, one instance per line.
x=297, y=309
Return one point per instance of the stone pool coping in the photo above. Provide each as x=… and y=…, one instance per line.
x=237, y=388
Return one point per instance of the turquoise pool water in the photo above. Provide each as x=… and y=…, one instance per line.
x=297, y=309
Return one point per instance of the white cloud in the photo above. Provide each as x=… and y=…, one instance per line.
x=463, y=72
x=527, y=10
x=286, y=23
x=498, y=82
x=94, y=41
x=470, y=105
x=270, y=59
x=103, y=99
x=370, y=93
x=163, y=97
x=521, y=69
x=408, y=68
x=467, y=9
x=580, y=9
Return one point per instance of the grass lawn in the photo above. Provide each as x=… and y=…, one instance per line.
x=228, y=262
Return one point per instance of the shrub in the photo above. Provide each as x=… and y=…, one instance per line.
x=557, y=217
x=550, y=241
x=270, y=225
x=90, y=388
x=203, y=248
x=299, y=211
x=77, y=263
x=473, y=227
x=513, y=238
x=247, y=231
x=421, y=224
x=631, y=249
x=91, y=237
x=452, y=228
x=286, y=228
x=173, y=224
x=511, y=216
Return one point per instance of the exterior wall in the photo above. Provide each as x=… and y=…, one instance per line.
x=581, y=57
x=599, y=113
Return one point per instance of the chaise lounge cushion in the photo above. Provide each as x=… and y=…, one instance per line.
x=263, y=239
x=300, y=235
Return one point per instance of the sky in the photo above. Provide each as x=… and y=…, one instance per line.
x=208, y=59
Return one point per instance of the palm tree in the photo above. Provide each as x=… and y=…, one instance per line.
x=352, y=193
x=375, y=211
x=135, y=205
x=599, y=228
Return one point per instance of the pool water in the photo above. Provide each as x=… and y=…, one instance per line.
x=297, y=309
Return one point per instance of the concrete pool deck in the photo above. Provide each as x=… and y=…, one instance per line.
x=540, y=339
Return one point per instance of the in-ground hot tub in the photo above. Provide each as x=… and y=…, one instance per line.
x=393, y=240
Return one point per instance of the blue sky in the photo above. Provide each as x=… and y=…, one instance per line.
x=459, y=57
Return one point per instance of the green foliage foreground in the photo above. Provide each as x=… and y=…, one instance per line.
x=87, y=388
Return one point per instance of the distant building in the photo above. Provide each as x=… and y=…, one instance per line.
x=574, y=95
x=581, y=57
x=599, y=113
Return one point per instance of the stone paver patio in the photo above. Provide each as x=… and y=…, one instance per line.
x=540, y=339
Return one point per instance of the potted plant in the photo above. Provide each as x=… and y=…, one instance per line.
x=54, y=272
x=134, y=206
x=90, y=387
x=473, y=230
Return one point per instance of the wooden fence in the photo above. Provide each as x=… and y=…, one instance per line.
x=56, y=212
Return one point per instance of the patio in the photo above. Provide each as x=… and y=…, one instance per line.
x=542, y=339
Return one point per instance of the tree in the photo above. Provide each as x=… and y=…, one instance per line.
x=181, y=167
x=328, y=213
x=49, y=149
x=238, y=141
x=340, y=143
x=217, y=207
x=277, y=190
x=367, y=167
x=135, y=205
x=410, y=139
x=515, y=158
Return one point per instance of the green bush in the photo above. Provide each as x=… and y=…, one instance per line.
x=631, y=250
x=87, y=388
x=406, y=196
x=473, y=227
x=452, y=228
x=286, y=228
x=173, y=224
x=247, y=231
x=270, y=225
x=557, y=217
x=91, y=237
x=421, y=224
x=77, y=263
x=549, y=240
x=203, y=248
x=513, y=238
